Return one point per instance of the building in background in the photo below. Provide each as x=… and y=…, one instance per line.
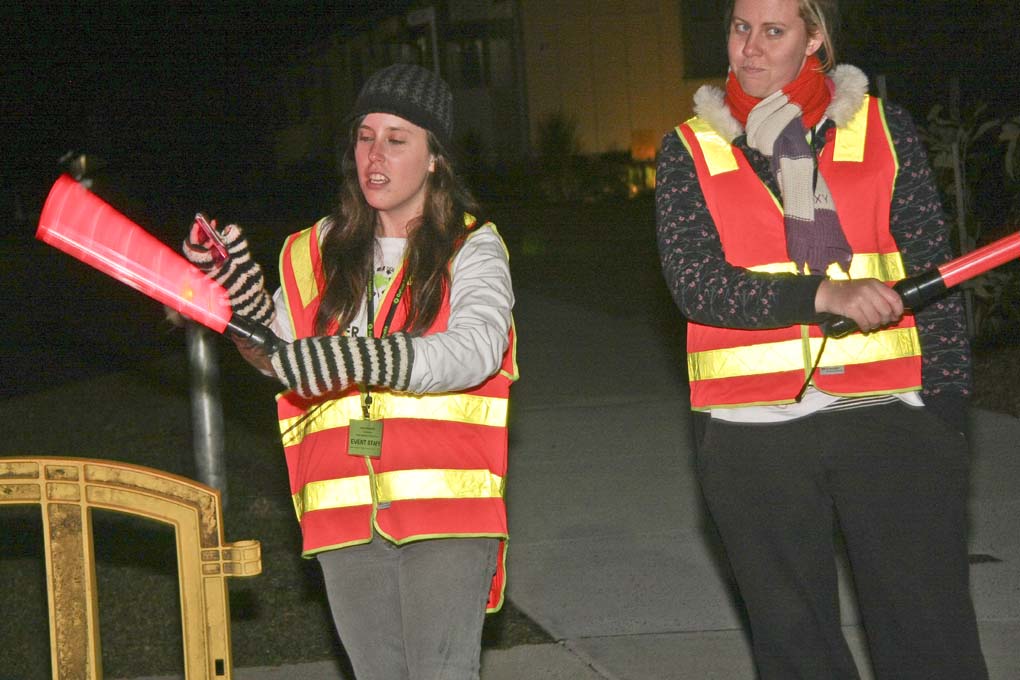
x=622, y=72
x=472, y=43
x=617, y=67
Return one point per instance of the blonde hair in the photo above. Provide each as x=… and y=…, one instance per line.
x=821, y=18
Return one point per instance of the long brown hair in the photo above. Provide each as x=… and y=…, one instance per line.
x=349, y=244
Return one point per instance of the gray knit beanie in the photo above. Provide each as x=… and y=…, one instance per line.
x=413, y=93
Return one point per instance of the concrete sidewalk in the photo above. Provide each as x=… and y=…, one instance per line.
x=609, y=551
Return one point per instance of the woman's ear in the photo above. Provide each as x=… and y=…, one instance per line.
x=432, y=163
x=813, y=44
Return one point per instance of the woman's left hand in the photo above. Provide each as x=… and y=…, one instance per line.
x=868, y=302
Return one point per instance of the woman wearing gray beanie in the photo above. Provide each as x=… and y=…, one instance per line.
x=399, y=353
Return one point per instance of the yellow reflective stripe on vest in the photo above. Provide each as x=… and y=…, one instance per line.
x=333, y=493
x=456, y=408
x=717, y=151
x=847, y=147
x=849, y=143
x=884, y=267
x=788, y=355
x=887, y=267
x=323, y=416
x=402, y=485
x=301, y=263
x=398, y=485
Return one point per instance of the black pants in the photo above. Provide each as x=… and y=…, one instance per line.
x=896, y=480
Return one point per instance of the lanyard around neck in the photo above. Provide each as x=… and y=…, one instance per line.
x=370, y=307
x=366, y=393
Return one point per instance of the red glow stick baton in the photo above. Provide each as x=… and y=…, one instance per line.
x=979, y=261
x=921, y=289
x=87, y=228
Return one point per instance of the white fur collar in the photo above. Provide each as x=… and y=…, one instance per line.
x=850, y=84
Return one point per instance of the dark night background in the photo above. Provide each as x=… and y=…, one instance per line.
x=163, y=92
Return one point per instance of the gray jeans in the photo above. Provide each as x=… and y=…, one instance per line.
x=411, y=612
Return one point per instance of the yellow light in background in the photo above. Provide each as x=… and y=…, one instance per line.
x=642, y=145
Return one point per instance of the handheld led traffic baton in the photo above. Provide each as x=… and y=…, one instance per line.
x=84, y=226
x=919, y=290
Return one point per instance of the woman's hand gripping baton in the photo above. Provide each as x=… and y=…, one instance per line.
x=921, y=289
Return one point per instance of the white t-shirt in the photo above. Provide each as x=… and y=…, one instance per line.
x=481, y=299
x=813, y=400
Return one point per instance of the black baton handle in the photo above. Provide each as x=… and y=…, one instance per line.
x=253, y=332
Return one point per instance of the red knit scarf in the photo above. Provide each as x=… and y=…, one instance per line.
x=809, y=91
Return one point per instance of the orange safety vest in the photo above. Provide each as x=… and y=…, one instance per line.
x=734, y=367
x=442, y=471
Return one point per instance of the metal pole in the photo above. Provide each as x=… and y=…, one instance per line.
x=206, y=409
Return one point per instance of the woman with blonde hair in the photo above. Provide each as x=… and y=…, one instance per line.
x=791, y=197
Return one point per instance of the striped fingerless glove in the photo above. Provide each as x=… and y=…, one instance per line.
x=316, y=366
x=239, y=274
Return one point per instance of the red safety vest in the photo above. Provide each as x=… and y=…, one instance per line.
x=733, y=367
x=442, y=471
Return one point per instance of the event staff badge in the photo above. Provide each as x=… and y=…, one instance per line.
x=365, y=436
